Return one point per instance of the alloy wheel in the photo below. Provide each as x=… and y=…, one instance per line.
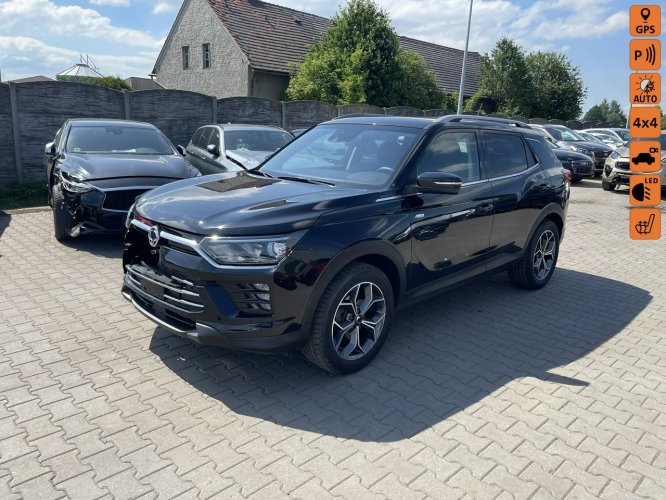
x=544, y=255
x=358, y=321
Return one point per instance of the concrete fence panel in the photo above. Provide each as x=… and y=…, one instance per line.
x=301, y=114
x=589, y=125
x=404, y=111
x=255, y=110
x=177, y=113
x=7, y=160
x=350, y=109
x=538, y=121
x=556, y=121
x=44, y=106
x=574, y=124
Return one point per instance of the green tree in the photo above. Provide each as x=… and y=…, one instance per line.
x=607, y=112
x=358, y=60
x=504, y=77
x=111, y=82
x=557, y=85
x=450, y=101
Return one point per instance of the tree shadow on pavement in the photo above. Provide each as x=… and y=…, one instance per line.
x=443, y=355
x=109, y=246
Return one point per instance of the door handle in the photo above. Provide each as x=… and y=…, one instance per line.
x=485, y=209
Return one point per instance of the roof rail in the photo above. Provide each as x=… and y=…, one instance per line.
x=359, y=115
x=477, y=118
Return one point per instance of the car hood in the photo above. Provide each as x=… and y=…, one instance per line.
x=100, y=166
x=592, y=146
x=569, y=155
x=242, y=203
x=249, y=159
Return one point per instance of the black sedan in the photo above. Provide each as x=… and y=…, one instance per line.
x=96, y=169
x=580, y=165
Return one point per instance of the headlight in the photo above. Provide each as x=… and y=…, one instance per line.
x=262, y=250
x=74, y=185
x=566, y=163
x=582, y=150
x=615, y=155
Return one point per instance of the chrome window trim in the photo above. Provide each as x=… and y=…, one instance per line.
x=127, y=188
x=195, y=246
x=513, y=175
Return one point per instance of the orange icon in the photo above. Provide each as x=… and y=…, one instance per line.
x=645, y=224
x=645, y=190
x=645, y=156
x=645, y=20
x=645, y=55
x=645, y=122
x=645, y=88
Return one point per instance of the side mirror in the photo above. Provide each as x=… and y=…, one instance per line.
x=49, y=149
x=181, y=150
x=439, y=182
x=213, y=149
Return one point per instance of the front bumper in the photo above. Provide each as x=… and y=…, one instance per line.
x=619, y=172
x=236, y=307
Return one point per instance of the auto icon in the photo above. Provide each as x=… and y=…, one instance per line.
x=643, y=158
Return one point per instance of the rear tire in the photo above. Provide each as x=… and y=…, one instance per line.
x=536, y=266
x=607, y=186
x=63, y=221
x=352, y=320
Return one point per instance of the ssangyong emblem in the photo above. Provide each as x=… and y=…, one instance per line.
x=154, y=236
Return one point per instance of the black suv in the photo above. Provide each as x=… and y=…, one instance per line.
x=317, y=247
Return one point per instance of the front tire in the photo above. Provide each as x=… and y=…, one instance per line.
x=352, y=320
x=607, y=186
x=536, y=266
x=63, y=221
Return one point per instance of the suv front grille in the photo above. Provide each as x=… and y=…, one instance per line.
x=121, y=199
x=180, y=293
x=622, y=165
x=601, y=154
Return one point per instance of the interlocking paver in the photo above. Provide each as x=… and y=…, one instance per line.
x=486, y=392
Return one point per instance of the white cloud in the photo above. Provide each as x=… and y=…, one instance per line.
x=112, y=3
x=23, y=17
x=164, y=8
x=49, y=60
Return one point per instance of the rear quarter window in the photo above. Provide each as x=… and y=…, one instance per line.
x=505, y=154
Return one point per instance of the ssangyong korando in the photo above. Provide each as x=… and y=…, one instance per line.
x=316, y=248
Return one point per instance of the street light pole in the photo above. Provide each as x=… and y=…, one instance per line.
x=464, y=65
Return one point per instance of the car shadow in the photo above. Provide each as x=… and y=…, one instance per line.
x=109, y=246
x=5, y=221
x=588, y=183
x=443, y=356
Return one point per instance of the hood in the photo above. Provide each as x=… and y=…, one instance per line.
x=249, y=159
x=111, y=166
x=244, y=204
x=589, y=145
x=623, y=152
x=569, y=155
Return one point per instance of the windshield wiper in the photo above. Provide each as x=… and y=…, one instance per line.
x=306, y=180
x=237, y=163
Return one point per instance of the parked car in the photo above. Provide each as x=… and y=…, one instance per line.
x=228, y=148
x=589, y=137
x=605, y=137
x=569, y=139
x=317, y=248
x=298, y=131
x=97, y=168
x=617, y=170
x=620, y=133
x=579, y=164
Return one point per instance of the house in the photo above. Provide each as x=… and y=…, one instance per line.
x=232, y=48
x=138, y=83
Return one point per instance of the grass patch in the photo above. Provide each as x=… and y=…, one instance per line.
x=25, y=195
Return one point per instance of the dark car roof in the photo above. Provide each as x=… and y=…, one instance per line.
x=100, y=122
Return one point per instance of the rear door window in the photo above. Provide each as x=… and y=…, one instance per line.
x=505, y=154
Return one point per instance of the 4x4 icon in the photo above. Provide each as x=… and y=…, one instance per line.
x=643, y=158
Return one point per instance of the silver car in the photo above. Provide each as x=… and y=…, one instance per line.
x=617, y=169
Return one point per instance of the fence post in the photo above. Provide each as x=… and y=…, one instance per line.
x=126, y=99
x=283, y=120
x=214, y=109
x=16, y=137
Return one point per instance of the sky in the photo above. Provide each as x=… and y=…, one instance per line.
x=124, y=37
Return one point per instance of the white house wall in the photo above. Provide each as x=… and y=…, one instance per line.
x=228, y=74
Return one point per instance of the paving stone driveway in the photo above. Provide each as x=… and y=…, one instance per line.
x=486, y=392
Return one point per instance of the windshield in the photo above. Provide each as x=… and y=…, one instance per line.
x=564, y=134
x=255, y=140
x=345, y=153
x=117, y=139
x=622, y=133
